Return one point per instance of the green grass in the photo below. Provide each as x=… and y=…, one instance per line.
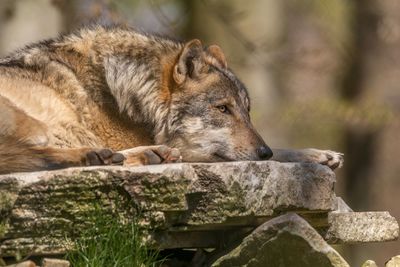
x=111, y=243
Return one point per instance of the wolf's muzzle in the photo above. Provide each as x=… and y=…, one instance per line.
x=264, y=152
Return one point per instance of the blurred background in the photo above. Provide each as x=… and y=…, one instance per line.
x=323, y=74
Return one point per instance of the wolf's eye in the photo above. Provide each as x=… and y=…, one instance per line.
x=223, y=109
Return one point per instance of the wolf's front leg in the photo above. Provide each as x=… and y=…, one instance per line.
x=147, y=155
x=326, y=157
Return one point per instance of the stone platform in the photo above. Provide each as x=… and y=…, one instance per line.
x=250, y=212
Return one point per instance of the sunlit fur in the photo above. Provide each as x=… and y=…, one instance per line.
x=118, y=88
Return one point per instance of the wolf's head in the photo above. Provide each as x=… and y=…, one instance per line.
x=209, y=113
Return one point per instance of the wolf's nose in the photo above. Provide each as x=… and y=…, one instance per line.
x=264, y=152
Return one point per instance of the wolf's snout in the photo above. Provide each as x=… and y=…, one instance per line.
x=264, y=152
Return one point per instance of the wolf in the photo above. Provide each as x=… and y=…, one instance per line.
x=113, y=95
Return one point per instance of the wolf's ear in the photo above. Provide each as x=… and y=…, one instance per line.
x=216, y=52
x=190, y=63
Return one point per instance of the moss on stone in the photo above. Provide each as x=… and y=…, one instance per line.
x=3, y=228
x=6, y=201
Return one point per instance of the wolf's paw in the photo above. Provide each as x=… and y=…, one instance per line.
x=103, y=156
x=148, y=155
x=329, y=158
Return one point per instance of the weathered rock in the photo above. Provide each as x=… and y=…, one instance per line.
x=287, y=240
x=341, y=206
x=181, y=205
x=393, y=262
x=55, y=263
x=369, y=263
x=357, y=227
x=38, y=210
x=23, y=264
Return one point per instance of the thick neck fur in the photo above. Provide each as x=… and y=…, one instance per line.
x=118, y=66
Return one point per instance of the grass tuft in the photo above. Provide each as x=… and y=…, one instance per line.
x=111, y=243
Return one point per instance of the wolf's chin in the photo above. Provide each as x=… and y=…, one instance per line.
x=221, y=157
x=214, y=157
x=241, y=157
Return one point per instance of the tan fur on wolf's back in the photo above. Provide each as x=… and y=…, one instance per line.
x=14, y=123
x=54, y=115
x=60, y=129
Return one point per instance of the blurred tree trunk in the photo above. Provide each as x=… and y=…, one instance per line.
x=360, y=140
x=371, y=86
x=307, y=71
x=7, y=10
x=77, y=13
x=22, y=22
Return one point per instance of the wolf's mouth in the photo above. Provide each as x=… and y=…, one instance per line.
x=222, y=157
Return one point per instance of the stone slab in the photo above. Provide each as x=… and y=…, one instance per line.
x=393, y=262
x=39, y=210
x=361, y=227
x=369, y=263
x=47, y=262
x=181, y=205
x=287, y=240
